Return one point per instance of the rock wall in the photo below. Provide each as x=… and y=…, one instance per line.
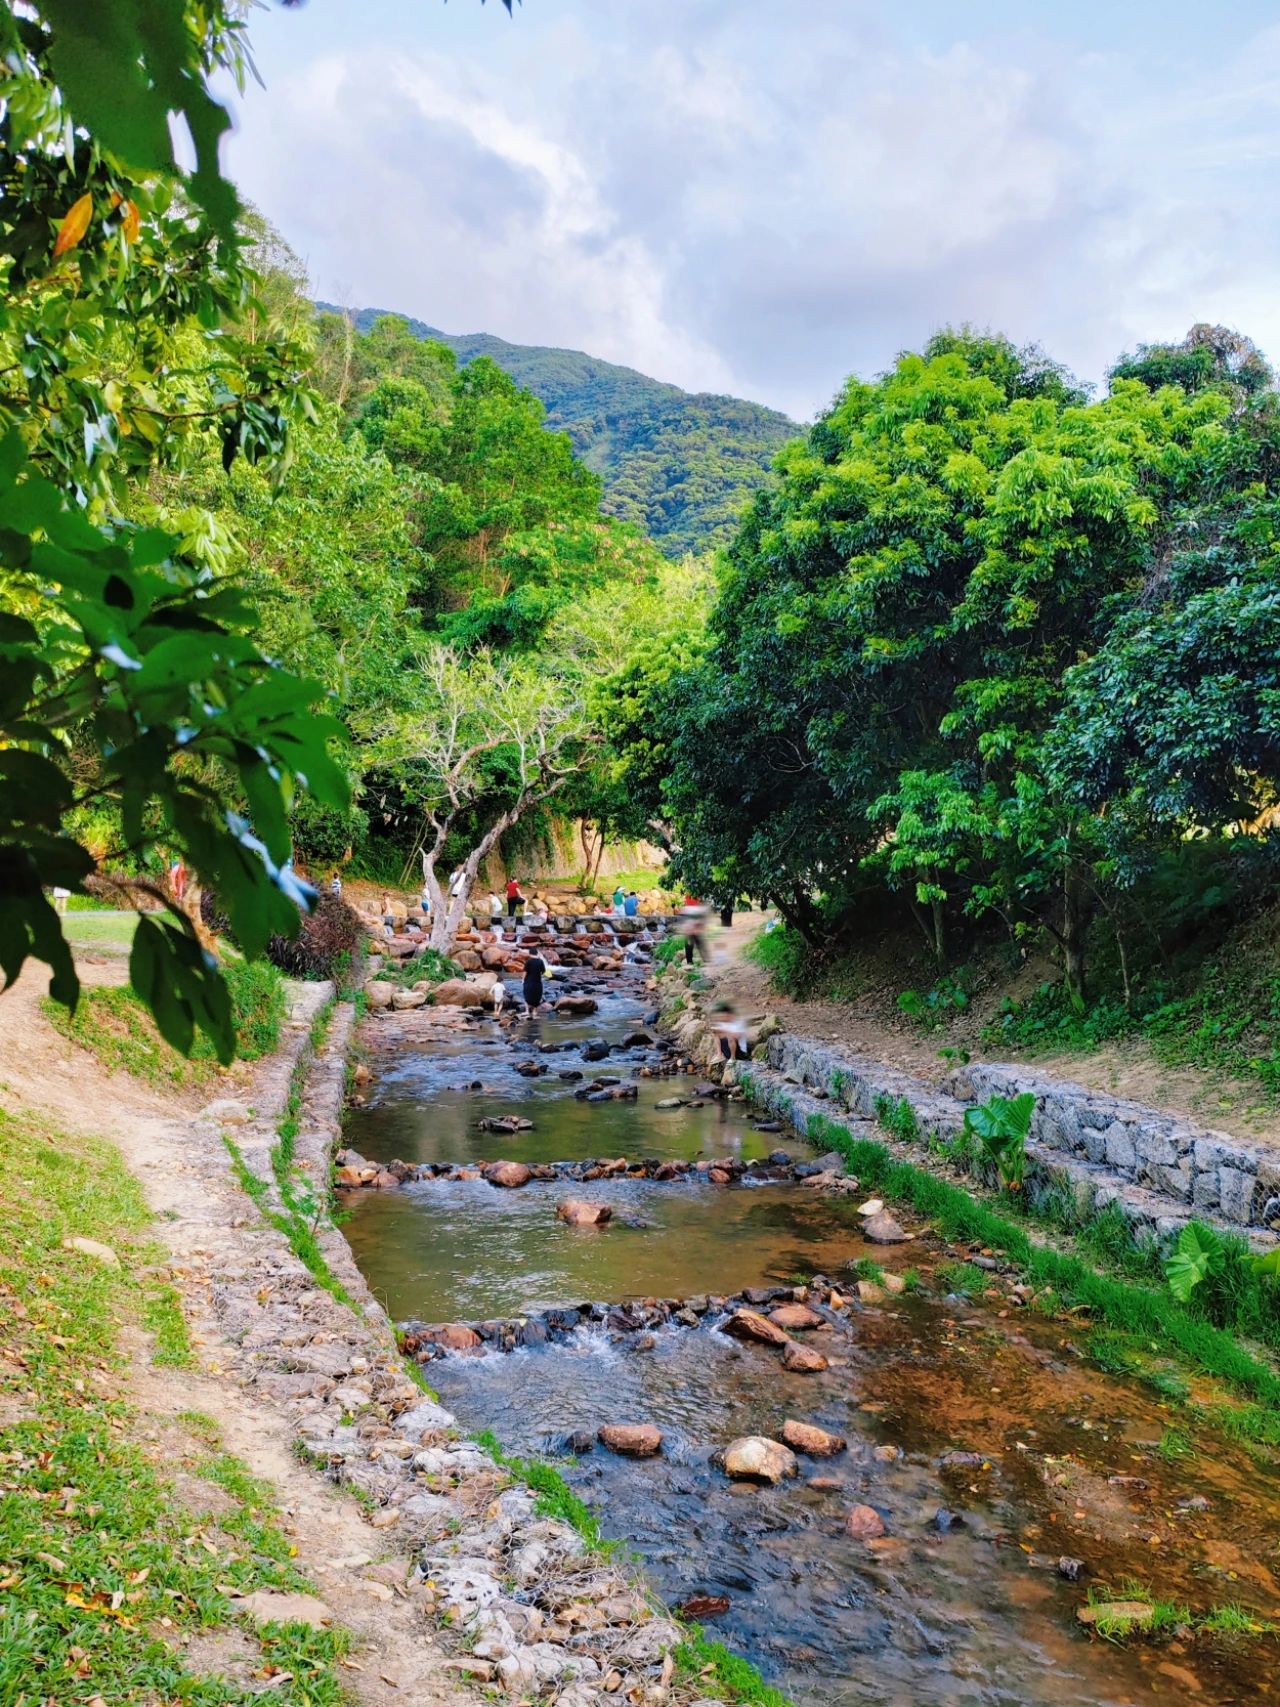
x=1160, y=1169
x=1211, y=1172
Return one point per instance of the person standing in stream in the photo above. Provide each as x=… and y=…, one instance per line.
x=535, y=970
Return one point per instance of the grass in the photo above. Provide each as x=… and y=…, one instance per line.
x=114, y=1025
x=712, y=1668
x=103, y=1569
x=1167, y=1616
x=99, y=929
x=1152, y=1316
x=555, y=1498
x=302, y=1206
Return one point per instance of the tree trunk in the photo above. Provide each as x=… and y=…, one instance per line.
x=800, y=913
x=448, y=911
x=1075, y=929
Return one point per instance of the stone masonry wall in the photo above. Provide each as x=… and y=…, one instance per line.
x=1160, y=1169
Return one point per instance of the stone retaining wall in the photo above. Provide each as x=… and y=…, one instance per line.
x=1161, y=1169
x=536, y=1611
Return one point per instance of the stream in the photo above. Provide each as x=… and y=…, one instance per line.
x=961, y=1602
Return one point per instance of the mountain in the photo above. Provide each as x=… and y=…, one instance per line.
x=681, y=464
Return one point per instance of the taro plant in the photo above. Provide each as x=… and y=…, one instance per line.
x=1199, y=1254
x=1001, y=1126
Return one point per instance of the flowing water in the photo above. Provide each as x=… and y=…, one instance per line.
x=961, y=1601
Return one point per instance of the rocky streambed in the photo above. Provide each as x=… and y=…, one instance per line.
x=881, y=1476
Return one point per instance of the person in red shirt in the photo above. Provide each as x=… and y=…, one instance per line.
x=515, y=900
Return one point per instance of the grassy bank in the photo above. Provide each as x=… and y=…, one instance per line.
x=113, y=1024
x=1138, y=1319
x=105, y=1567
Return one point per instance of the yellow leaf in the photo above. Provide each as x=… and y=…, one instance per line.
x=131, y=224
x=75, y=223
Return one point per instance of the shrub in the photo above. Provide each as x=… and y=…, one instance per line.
x=331, y=930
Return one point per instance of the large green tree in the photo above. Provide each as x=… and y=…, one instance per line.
x=891, y=643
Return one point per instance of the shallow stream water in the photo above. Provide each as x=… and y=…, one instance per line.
x=966, y=1607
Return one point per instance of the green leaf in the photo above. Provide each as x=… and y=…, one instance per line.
x=182, y=986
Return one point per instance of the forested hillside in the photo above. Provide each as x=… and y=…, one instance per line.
x=683, y=465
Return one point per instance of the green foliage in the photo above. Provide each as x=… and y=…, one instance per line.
x=1198, y=1251
x=935, y=1007
x=1002, y=1125
x=785, y=956
x=995, y=651
x=898, y=1118
x=130, y=678
x=683, y=467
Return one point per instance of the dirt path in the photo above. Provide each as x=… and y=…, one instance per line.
x=1129, y=1069
x=204, y=1220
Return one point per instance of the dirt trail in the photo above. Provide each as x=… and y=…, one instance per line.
x=1128, y=1069
x=200, y=1211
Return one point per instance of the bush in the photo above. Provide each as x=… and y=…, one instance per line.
x=786, y=957
x=258, y=1004
x=329, y=937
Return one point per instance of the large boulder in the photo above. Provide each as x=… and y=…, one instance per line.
x=402, y=999
x=795, y=1317
x=632, y=1440
x=864, y=1523
x=576, y=1005
x=755, y=1458
x=882, y=1229
x=459, y=993
x=508, y=1174
x=750, y=1325
x=802, y=1359
x=378, y=994
x=578, y=1212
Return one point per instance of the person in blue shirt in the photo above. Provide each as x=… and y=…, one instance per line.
x=631, y=906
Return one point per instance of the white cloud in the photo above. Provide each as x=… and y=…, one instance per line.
x=726, y=199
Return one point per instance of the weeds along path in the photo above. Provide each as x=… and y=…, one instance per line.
x=156, y=1524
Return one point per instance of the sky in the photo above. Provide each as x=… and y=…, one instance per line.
x=762, y=196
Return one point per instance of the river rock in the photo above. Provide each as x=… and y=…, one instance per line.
x=670, y=1102
x=1119, y=1616
x=577, y=1005
x=871, y=1292
x=378, y=994
x=404, y=999
x=795, y=1317
x=452, y=1335
x=468, y=959
x=864, y=1523
x=637, y=1040
x=631, y=1440
x=814, y=1442
x=506, y=1123
x=458, y=993
x=750, y=1325
x=802, y=1359
x=882, y=1229
x=508, y=1174
x=578, y=1212
x=596, y=1050
x=755, y=1458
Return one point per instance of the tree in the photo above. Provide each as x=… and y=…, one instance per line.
x=893, y=634
x=489, y=738
x=129, y=675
